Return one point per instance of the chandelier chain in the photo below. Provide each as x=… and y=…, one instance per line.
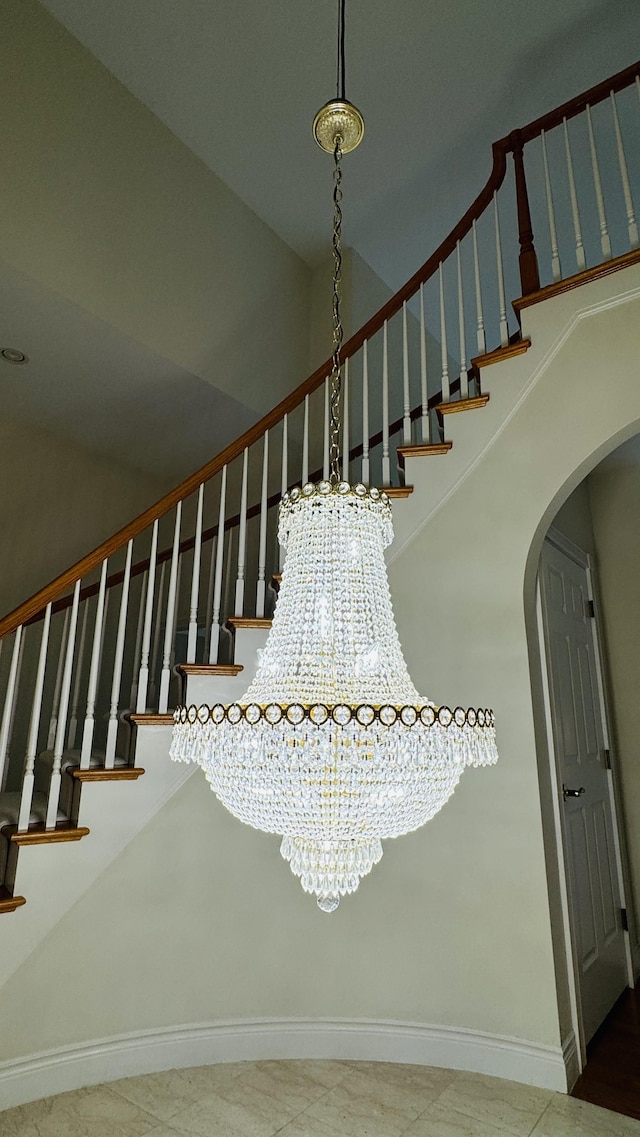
x=336, y=374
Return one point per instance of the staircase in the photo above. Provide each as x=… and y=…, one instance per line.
x=174, y=607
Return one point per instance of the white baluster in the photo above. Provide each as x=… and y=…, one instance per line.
x=155, y=650
x=605, y=242
x=504, y=326
x=464, y=378
x=135, y=672
x=444, y=380
x=556, y=270
x=325, y=448
x=94, y=671
x=77, y=679
x=214, y=641
x=365, y=414
x=305, y=442
x=192, y=640
x=65, y=691
x=53, y=721
x=262, y=546
x=143, y=674
x=424, y=390
x=386, y=466
x=165, y=678
x=284, y=482
x=210, y=580
x=242, y=537
x=632, y=224
x=575, y=213
x=112, y=729
x=480, y=333
x=9, y=703
x=228, y=579
x=26, y=796
x=345, y=422
x=406, y=393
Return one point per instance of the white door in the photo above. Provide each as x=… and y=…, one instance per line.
x=588, y=820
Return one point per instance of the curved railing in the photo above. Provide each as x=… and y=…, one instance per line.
x=103, y=637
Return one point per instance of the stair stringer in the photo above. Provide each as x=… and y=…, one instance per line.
x=53, y=877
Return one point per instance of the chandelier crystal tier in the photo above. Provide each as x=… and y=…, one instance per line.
x=331, y=746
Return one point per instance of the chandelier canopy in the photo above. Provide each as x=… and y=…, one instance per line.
x=331, y=746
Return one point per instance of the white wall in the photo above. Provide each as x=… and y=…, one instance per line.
x=58, y=502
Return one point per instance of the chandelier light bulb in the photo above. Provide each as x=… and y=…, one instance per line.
x=331, y=746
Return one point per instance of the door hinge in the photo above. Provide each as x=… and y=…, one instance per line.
x=625, y=919
x=591, y=609
x=607, y=759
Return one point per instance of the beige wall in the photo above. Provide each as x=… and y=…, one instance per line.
x=614, y=493
x=101, y=203
x=58, y=502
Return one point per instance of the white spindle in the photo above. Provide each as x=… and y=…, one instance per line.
x=444, y=380
x=386, y=465
x=632, y=224
x=112, y=729
x=424, y=390
x=9, y=702
x=284, y=481
x=143, y=674
x=165, y=678
x=464, y=378
x=53, y=721
x=325, y=448
x=228, y=582
x=77, y=679
x=480, y=333
x=94, y=671
x=345, y=422
x=155, y=650
x=135, y=672
x=556, y=270
x=192, y=639
x=605, y=242
x=504, y=325
x=305, y=442
x=214, y=641
x=262, y=545
x=406, y=393
x=210, y=580
x=65, y=691
x=26, y=796
x=365, y=414
x=242, y=537
x=575, y=212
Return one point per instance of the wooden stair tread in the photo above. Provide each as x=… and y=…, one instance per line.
x=247, y=622
x=228, y=669
x=423, y=450
x=152, y=719
x=41, y=836
x=100, y=774
x=10, y=810
x=518, y=347
x=396, y=491
x=9, y=903
x=458, y=405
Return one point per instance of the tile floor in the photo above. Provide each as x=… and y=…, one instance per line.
x=313, y=1099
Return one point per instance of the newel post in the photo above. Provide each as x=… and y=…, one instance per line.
x=529, y=276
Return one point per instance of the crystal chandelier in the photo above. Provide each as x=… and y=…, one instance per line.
x=331, y=746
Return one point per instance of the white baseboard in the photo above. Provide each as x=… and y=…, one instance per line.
x=146, y=1052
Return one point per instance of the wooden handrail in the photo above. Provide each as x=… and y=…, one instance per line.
x=53, y=591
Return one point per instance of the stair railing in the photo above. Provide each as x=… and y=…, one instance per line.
x=104, y=637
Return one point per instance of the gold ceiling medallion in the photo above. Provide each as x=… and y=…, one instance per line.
x=338, y=120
